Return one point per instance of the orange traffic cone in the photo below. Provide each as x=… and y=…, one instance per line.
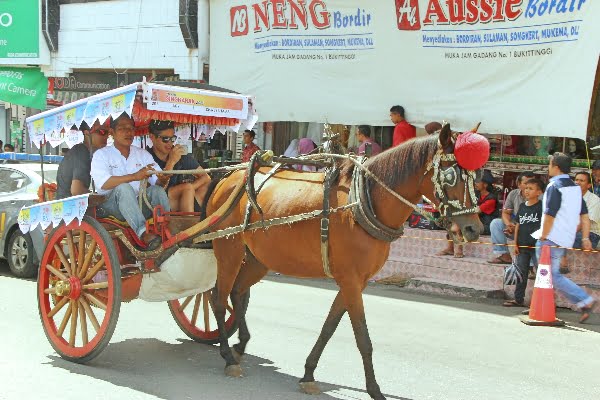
x=542, y=311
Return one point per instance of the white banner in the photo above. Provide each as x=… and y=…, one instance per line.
x=522, y=67
x=52, y=213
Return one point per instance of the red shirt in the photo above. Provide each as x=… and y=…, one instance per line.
x=248, y=151
x=403, y=132
x=487, y=204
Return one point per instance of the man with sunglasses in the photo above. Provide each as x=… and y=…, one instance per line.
x=118, y=171
x=73, y=175
x=183, y=190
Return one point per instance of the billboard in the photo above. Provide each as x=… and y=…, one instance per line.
x=19, y=29
x=523, y=67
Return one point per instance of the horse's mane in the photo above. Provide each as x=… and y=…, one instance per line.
x=395, y=166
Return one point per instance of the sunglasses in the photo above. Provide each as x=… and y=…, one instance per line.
x=167, y=139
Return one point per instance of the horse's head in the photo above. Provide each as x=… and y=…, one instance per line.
x=453, y=181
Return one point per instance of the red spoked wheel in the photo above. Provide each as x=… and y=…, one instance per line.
x=195, y=317
x=79, y=289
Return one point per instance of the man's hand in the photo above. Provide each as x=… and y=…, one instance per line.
x=510, y=228
x=586, y=244
x=143, y=172
x=175, y=154
x=517, y=251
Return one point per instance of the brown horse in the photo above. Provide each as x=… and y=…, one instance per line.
x=354, y=255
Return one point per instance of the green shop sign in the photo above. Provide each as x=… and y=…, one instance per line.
x=23, y=86
x=19, y=29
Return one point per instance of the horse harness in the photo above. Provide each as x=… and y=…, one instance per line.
x=359, y=199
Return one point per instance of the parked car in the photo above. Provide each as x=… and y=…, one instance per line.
x=19, y=183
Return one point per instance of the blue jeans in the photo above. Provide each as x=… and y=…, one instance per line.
x=122, y=203
x=593, y=238
x=499, y=239
x=570, y=289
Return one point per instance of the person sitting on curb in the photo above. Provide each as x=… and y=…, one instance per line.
x=73, y=176
x=596, y=177
x=529, y=216
x=501, y=227
x=183, y=190
x=117, y=172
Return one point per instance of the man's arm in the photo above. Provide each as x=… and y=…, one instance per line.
x=506, y=218
x=547, y=227
x=115, y=181
x=516, y=236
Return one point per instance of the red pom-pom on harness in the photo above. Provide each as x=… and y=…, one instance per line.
x=471, y=150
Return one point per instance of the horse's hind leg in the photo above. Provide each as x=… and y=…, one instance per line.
x=251, y=272
x=352, y=295
x=307, y=383
x=229, y=254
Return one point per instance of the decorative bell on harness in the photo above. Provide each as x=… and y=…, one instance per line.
x=471, y=150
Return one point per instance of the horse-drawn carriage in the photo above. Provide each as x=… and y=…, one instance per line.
x=260, y=217
x=91, y=265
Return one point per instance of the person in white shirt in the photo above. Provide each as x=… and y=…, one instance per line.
x=584, y=181
x=117, y=171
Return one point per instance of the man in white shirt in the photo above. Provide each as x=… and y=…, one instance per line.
x=584, y=181
x=117, y=171
x=564, y=211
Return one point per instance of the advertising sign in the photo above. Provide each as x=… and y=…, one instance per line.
x=194, y=101
x=522, y=67
x=19, y=29
x=23, y=86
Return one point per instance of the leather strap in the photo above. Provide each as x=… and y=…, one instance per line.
x=364, y=213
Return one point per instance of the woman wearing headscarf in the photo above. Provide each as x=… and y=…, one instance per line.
x=306, y=146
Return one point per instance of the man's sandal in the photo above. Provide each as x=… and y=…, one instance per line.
x=512, y=303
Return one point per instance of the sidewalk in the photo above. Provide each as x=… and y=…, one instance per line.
x=413, y=265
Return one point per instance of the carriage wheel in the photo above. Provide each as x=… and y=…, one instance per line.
x=79, y=289
x=195, y=318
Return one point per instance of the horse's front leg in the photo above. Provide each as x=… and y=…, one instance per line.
x=307, y=383
x=352, y=295
x=229, y=254
x=232, y=366
x=252, y=271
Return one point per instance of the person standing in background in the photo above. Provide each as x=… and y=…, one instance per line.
x=403, y=130
x=249, y=146
x=363, y=134
x=564, y=210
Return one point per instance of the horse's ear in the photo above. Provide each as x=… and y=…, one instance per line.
x=446, y=136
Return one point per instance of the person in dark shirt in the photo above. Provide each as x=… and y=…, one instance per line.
x=183, y=190
x=73, y=176
x=488, y=201
x=529, y=217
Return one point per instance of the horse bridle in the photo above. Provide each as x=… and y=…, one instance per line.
x=448, y=177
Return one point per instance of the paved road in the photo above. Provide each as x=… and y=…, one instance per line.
x=424, y=348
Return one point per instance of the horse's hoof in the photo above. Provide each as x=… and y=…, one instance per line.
x=310, y=388
x=237, y=356
x=234, y=371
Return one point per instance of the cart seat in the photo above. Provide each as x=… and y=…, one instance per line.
x=111, y=224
